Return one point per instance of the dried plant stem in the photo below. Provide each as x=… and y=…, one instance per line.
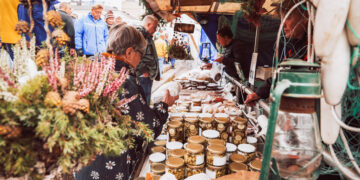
x=31, y=20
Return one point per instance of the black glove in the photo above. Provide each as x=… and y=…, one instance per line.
x=79, y=52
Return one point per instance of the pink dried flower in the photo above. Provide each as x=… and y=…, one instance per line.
x=126, y=101
x=6, y=78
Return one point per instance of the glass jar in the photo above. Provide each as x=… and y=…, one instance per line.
x=255, y=165
x=160, y=143
x=230, y=149
x=194, y=154
x=192, y=170
x=237, y=158
x=222, y=125
x=215, y=155
x=159, y=149
x=247, y=150
x=197, y=140
x=196, y=102
x=172, y=146
x=215, y=171
x=184, y=103
x=210, y=134
x=206, y=121
x=179, y=153
x=157, y=169
x=217, y=141
x=175, y=130
x=176, y=117
x=235, y=167
x=157, y=158
x=182, y=109
x=239, y=126
x=176, y=167
x=196, y=109
x=251, y=140
x=191, y=125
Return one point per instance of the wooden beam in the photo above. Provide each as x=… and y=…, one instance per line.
x=195, y=2
x=194, y=42
x=229, y=7
x=164, y=5
x=194, y=8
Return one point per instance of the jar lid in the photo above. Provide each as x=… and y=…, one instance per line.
x=216, y=149
x=162, y=137
x=221, y=116
x=246, y=148
x=237, y=166
x=210, y=133
x=196, y=109
x=197, y=100
x=217, y=141
x=158, y=168
x=160, y=143
x=157, y=157
x=174, y=124
x=238, y=158
x=255, y=164
x=176, y=115
x=159, y=149
x=212, y=85
x=205, y=115
x=240, y=120
x=174, y=162
x=174, y=145
x=196, y=139
x=251, y=140
x=215, y=167
x=230, y=147
x=235, y=113
x=201, y=87
x=182, y=108
x=195, y=166
x=194, y=148
x=177, y=153
x=191, y=115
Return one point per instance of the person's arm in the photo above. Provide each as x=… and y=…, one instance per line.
x=262, y=92
x=79, y=32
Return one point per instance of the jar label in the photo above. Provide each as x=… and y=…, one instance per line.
x=219, y=161
x=199, y=159
x=240, y=126
x=172, y=132
x=221, y=127
x=211, y=174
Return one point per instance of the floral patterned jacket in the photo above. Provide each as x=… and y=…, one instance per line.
x=122, y=167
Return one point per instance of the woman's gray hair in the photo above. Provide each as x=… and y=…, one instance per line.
x=122, y=37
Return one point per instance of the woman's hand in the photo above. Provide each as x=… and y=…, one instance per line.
x=251, y=99
x=168, y=99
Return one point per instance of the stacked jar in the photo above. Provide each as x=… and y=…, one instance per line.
x=179, y=153
x=196, y=102
x=216, y=161
x=235, y=167
x=191, y=125
x=255, y=165
x=157, y=158
x=239, y=126
x=177, y=117
x=157, y=169
x=210, y=134
x=158, y=149
x=230, y=149
x=170, y=146
x=206, y=121
x=194, y=159
x=195, y=109
x=247, y=150
x=175, y=130
x=176, y=167
x=222, y=125
x=217, y=141
x=197, y=140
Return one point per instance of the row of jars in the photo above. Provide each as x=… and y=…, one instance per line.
x=182, y=126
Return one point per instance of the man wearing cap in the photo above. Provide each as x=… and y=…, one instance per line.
x=91, y=33
x=109, y=19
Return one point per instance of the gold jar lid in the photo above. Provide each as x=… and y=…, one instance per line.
x=191, y=117
x=217, y=141
x=177, y=153
x=159, y=149
x=215, y=167
x=222, y=117
x=174, y=124
x=240, y=120
x=194, y=148
x=196, y=109
x=176, y=116
x=255, y=164
x=160, y=143
x=196, y=139
x=216, y=149
x=158, y=168
x=195, y=166
x=206, y=117
x=174, y=162
x=237, y=166
x=238, y=158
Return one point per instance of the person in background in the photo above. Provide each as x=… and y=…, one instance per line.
x=161, y=50
x=8, y=21
x=109, y=19
x=127, y=44
x=37, y=14
x=91, y=33
x=148, y=68
x=295, y=30
x=65, y=13
x=118, y=20
x=166, y=39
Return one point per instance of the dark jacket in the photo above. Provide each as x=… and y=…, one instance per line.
x=232, y=53
x=123, y=166
x=294, y=49
x=149, y=62
x=68, y=28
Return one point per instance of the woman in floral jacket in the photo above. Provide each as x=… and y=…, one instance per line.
x=127, y=44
